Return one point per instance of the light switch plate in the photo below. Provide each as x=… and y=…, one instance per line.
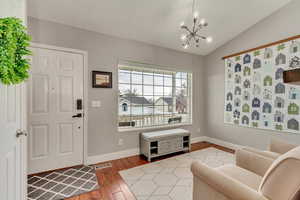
x=96, y=104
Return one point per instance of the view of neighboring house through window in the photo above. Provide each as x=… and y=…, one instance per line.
x=149, y=96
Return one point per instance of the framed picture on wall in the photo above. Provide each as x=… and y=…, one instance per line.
x=102, y=79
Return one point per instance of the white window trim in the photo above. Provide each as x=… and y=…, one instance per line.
x=130, y=129
x=155, y=127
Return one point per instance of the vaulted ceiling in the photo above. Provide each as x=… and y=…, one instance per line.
x=157, y=21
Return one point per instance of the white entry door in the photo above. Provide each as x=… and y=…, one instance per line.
x=12, y=143
x=55, y=110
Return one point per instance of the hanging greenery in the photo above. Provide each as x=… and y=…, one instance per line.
x=14, y=43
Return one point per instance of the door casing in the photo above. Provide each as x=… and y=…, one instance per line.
x=85, y=89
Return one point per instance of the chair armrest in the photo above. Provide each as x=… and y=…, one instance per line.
x=280, y=146
x=229, y=187
x=253, y=162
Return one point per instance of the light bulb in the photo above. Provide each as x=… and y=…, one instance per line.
x=196, y=14
x=209, y=39
x=202, y=22
x=183, y=37
x=181, y=24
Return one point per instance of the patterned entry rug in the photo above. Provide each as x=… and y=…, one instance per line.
x=171, y=179
x=62, y=184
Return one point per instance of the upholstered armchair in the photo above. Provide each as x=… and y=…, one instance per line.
x=276, y=148
x=254, y=177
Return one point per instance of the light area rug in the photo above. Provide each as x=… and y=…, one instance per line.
x=171, y=179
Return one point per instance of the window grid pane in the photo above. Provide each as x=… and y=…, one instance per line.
x=155, y=97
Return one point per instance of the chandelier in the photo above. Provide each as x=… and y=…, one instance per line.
x=192, y=35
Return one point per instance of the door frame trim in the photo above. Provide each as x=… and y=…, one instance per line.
x=85, y=89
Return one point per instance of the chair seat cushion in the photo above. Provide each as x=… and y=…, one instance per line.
x=244, y=176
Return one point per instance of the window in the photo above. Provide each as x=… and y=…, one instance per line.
x=150, y=97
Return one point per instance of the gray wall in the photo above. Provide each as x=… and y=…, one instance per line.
x=104, y=53
x=282, y=24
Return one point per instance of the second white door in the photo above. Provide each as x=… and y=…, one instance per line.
x=55, y=110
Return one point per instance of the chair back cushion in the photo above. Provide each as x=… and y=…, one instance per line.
x=280, y=146
x=282, y=180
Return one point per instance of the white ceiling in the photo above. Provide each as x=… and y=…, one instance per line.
x=157, y=21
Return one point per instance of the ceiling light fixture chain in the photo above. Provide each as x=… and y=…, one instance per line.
x=193, y=7
x=192, y=35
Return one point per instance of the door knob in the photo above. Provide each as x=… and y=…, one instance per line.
x=20, y=133
x=79, y=115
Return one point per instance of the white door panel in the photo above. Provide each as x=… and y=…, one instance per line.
x=55, y=138
x=39, y=140
x=11, y=149
x=65, y=87
x=40, y=94
x=13, y=158
x=66, y=138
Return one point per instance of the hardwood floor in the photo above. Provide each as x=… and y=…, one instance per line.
x=112, y=186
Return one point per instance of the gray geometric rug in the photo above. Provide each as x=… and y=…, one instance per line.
x=62, y=184
x=171, y=179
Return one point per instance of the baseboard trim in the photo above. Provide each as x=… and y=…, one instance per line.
x=198, y=139
x=132, y=152
x=223, y=143
x=112, y=156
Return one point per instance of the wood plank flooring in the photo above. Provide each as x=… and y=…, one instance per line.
x=112, y=186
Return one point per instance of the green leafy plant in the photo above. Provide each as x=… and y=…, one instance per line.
x=14, y=43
